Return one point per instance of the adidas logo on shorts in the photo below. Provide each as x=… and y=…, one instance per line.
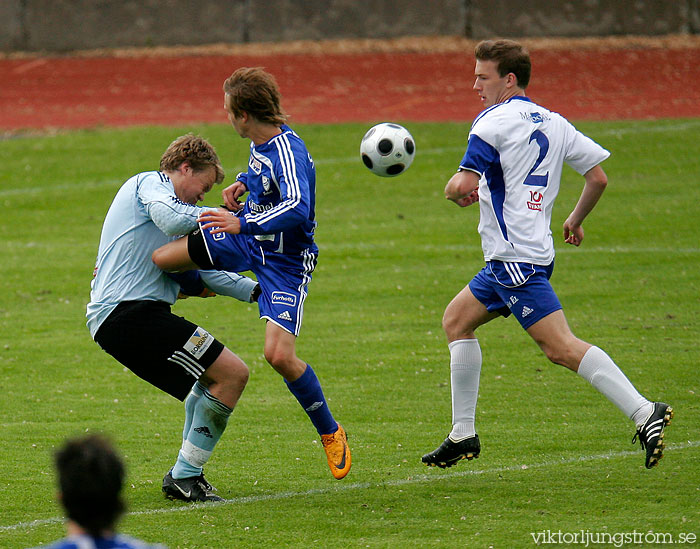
x=285, y=316
x=527, y=311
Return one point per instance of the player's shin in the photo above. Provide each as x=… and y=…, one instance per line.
x=601, y=372
x=465, y=370
x=190, y=404
x=307, y=390
x=208, y=424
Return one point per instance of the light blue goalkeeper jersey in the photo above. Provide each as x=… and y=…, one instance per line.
x=145, y=215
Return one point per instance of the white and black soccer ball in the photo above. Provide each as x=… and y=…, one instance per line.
x=387, y=149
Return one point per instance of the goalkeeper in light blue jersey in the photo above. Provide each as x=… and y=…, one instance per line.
x=129, y=312
x=272, y=235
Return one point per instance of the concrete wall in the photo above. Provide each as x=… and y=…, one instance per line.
x=279, y=20
x=582, y=18
x=65, y=25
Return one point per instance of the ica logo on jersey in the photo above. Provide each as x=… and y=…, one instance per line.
x=535, y=202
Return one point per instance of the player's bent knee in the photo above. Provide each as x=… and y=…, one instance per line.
x=553, y=356
x=277, y=358
x=567, y=356
x=158, y=257
x=228, y=368
x=455, y=326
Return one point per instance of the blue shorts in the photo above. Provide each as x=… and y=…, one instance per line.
x=283, y=278
x=519, y=288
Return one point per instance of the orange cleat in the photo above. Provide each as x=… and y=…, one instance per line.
x=338, y=452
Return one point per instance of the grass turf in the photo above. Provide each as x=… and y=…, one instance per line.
x=556, y=455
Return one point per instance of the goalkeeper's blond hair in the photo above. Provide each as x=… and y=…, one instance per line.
x=194, y=150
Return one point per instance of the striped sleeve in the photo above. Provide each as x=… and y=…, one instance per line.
x=294, y=207
x=166, y=210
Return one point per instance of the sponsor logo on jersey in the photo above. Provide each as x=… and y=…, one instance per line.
x=534, y=117
x=535, y=202
x=218, y=236
x=267, y=189
x=264, y=237
x=284, y=298
x=198, y=343
x=255, y=165
x=257, y=208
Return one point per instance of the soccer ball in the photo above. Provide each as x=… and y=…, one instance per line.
x=387, y=149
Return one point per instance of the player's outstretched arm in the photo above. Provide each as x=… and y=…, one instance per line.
x=462, y=188
x=596, y=181
x=230, y=284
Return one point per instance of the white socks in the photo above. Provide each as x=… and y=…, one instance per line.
x=600, y=371
x=465, y=367
x=596, y=367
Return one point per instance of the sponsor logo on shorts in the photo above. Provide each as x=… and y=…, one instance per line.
x=285, y=316
x=198, y=343
x=527, y=311
x=284, y=298
x=512, y=300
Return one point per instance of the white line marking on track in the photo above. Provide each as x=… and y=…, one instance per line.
x=418, y=479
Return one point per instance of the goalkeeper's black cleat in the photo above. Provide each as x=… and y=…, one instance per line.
x=205, y=482
x=189, y=489
x=449, y=452
x=651, y=434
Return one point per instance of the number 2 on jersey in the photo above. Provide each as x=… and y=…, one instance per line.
x=543, y=144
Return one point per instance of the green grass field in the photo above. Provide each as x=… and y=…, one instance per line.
x=556, y=456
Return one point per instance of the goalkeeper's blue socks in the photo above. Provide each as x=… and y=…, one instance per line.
x=308, y=392
x=207, y=423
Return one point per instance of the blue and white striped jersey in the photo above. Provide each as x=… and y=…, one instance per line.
x=145, y=215
x=518, y=148
x=280, y=209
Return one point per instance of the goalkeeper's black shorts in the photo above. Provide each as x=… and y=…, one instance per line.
x=160, y=347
